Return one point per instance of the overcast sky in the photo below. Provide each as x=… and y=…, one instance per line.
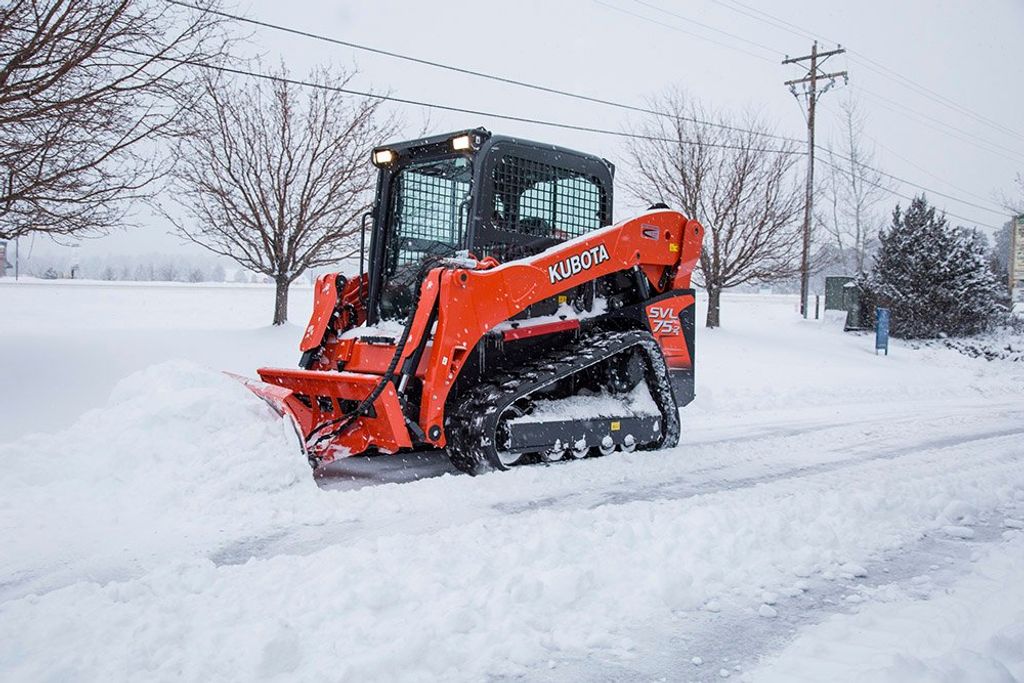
x=966, y=53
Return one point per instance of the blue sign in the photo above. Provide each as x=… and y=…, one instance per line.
x=882, y=330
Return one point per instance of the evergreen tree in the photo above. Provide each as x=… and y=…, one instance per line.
x=935, y=278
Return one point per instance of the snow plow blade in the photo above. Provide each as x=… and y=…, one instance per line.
x=314, y=398
x=276, y=397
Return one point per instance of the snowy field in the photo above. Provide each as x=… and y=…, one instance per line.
x=828, y=515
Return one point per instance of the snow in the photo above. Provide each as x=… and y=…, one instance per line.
x=165, y=526
x=172, y=464
x=385, y=328
x=637, y=403
x=564, y=311
x=974, y=631
x=67, y=343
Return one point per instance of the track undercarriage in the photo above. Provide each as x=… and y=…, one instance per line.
x=605, y=391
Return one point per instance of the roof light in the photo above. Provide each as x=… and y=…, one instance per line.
x=384, y=157
x=462, y=143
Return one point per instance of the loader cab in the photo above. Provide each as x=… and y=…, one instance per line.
x=470, y=190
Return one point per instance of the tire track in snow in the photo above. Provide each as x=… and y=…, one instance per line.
x=361, y=471
x=587, y=484
x=737, y=638
x=684, y=486
x=733, y=636
x=594, y=493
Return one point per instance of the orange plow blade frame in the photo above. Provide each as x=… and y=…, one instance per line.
x=313, y=397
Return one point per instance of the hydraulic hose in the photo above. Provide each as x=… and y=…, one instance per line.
x=340, y=424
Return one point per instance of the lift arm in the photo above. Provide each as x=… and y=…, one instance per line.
x=664, y=244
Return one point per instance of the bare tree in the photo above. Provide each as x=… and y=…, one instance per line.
x=85, y=87
x=1016, y=204
x=999, y=256
x=736, y=181
x=853, y=190
x=275, y=178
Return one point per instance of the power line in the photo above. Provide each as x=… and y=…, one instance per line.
x=707, y=26
x=682, y=30
x=881, y=172
x=518, y=83
x=911, y=162
x=443, y=107
x=449, y=108
x=467, y=72
x=912, y=184
x=931, y=94
x=910, y=199
x=520, y=119
x=767, y=18
x=868, y=63
x=946, y=129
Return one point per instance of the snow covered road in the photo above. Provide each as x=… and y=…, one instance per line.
x=174, y=534
x=576, y=564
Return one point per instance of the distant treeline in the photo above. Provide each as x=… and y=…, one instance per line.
x=144, y=268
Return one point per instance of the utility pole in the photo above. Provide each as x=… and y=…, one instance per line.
x=811, y=93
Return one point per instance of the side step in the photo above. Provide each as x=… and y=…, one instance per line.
x=531, y=437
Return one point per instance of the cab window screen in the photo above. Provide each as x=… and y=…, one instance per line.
x=534, y=198
x=429, y=208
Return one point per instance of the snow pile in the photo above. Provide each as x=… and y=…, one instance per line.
x=181, y=458
x=993, y=347
x=385, y=328
x=66, y=344
x=972, y=632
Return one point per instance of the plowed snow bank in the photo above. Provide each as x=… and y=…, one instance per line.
x=181, y=457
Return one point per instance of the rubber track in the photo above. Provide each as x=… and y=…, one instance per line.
x=472, y=426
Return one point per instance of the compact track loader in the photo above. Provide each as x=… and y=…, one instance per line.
x=493, y=316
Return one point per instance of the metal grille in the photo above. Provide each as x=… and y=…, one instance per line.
x=429, y=208
x=429, y=212
x=538, y=199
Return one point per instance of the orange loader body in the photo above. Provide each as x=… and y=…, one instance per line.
x=460, y=302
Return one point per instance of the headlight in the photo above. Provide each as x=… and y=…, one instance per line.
x=462, y=143
x=384, y=157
